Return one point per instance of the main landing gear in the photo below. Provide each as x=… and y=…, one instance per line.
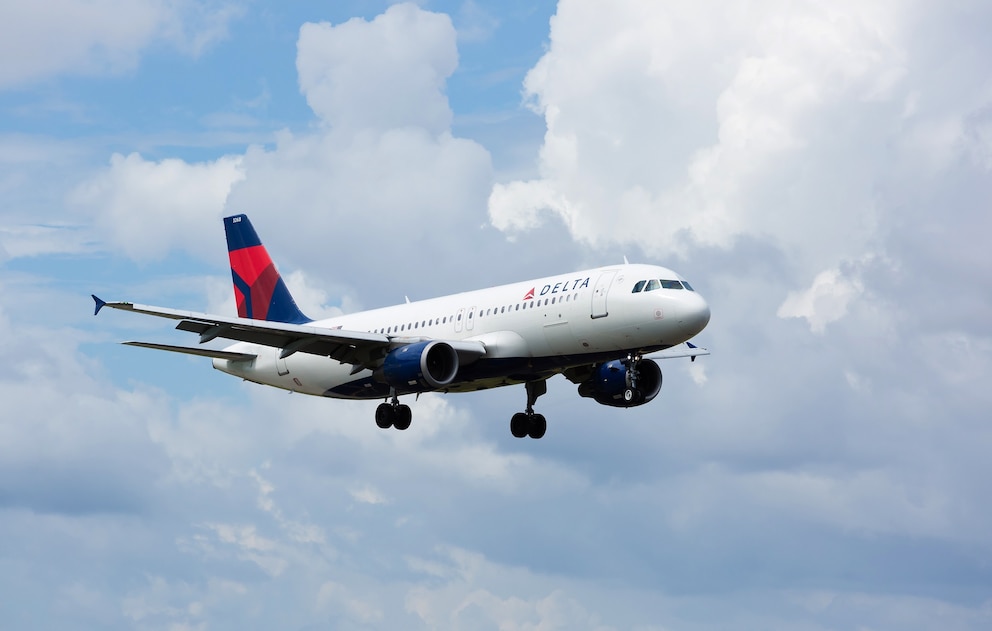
x=528, y=423
x=393, y=414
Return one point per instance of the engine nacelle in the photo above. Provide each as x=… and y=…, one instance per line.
x=429, y=365
x=612, y=385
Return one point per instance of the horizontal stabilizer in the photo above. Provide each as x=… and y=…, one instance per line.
x=189, y=350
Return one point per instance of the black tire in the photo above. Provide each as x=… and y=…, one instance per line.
x=403, y=417
x=538, y=426
x=519, y=425
x=385, y=416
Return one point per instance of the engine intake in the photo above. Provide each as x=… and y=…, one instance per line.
x=429, y=365
x=613, y=383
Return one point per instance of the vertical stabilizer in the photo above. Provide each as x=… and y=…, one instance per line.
x=259, y=290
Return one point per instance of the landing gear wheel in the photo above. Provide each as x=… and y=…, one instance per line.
x=528, y=423
x=385, y=416
x=632, y=396
x=403, y=417
x=519, y=425
x=538, y=426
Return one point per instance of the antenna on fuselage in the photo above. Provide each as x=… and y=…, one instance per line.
x=625, y=261
x=407, y=299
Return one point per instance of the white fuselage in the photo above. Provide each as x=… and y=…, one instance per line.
x=547, y=324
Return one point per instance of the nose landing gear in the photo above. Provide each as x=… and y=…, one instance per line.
x=632, y=394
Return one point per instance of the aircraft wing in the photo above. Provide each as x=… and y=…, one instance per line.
x=687, y=349
x=359, y=348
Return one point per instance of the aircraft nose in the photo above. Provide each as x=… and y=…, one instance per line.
x=694, y=315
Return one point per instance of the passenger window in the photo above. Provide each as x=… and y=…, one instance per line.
x=638, y=286
x=652, y=285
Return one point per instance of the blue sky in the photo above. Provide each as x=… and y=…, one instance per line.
x=819, y=173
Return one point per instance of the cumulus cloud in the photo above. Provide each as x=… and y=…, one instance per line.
x=145, y=208
x=386, y=73
x=381, y=175
x=683, y=127
x=101, y=36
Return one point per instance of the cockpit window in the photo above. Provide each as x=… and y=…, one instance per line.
x=653, y=284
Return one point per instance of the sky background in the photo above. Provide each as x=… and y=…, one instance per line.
x=820, y=172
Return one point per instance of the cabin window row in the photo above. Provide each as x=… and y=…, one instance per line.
x=491, y=311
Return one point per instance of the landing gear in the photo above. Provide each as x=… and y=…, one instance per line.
x=632, y=393
x=393, y=414
x=529, y=423
x=533, y=425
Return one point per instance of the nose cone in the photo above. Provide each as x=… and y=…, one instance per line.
x=694, y=314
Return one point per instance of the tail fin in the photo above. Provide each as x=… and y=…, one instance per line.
x=259, y=290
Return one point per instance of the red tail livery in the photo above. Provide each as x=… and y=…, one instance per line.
x=259, y=290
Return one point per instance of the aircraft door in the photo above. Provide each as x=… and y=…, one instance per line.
x=458, y=320
x=599, y=294
x=470, y=322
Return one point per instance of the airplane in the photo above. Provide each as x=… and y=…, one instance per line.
x=595, y=327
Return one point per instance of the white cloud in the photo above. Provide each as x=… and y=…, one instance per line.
x=92, y=37
x=382, y=176
x=825, y=301
x=383, y=74
x=146, y=208
x=678, y=125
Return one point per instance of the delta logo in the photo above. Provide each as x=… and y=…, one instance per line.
x=560, y=287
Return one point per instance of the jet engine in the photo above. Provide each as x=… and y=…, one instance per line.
x=429, y=365
x=623, y=384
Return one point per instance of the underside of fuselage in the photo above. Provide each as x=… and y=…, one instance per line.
x=484, y=374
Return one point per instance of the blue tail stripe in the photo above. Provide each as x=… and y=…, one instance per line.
x=240, y=233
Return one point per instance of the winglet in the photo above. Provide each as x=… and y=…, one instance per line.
x=99, y=304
